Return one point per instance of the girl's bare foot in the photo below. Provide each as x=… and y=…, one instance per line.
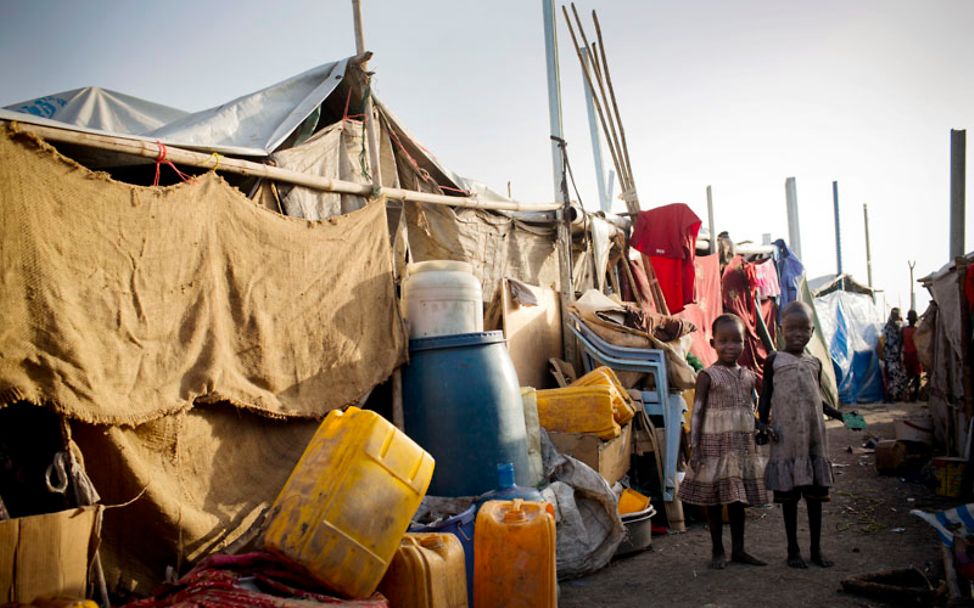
x=718, y=561
x=795, y=561
x=742, y=557
x=821, y=560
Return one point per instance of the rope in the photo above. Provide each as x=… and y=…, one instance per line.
x=161, y=160
x=216, y=161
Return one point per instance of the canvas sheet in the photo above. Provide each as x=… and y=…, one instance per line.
x=206, y=474
x=123, y=304
x=496, y=245
x=851, y=325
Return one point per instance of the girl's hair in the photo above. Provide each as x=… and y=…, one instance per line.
x=726, y=319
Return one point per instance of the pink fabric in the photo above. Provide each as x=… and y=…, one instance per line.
x=766, y=280
x=706, y=307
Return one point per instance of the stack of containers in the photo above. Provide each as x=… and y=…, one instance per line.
x=462, y=403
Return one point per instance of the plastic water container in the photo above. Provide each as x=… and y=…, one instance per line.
x=442, y=298
x=426, y=572
x=461, y=526
x=514, y=556
x=462, y=403
x=349, y=500
x=508, y=490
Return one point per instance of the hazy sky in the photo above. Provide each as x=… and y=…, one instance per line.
x=738, y=94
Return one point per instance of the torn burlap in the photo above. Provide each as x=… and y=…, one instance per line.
x=207, y=475
x=123, y=304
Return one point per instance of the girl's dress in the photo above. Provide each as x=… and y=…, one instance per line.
x=800, y=456
x=728, y=465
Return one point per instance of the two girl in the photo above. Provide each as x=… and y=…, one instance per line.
x=726, y=467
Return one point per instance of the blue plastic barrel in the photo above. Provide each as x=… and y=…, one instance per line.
x=462, y=404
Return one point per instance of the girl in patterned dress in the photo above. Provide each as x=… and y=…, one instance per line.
x=799, y=465
x=725, y=467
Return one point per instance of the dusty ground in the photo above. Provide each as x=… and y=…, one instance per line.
x=867, y=527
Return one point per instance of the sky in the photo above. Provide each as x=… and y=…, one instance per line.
x=735, y=94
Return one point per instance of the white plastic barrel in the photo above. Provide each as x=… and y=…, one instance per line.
x=442, y=298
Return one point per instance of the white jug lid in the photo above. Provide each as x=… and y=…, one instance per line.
x=441, y=265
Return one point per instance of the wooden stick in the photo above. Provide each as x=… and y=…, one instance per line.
x=398, y=417
x=150, y=150
x=615, y=106
x=595, y=98
x=370, y=133
x=613, y=137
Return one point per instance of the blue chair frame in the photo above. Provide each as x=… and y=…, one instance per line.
x=657, y=402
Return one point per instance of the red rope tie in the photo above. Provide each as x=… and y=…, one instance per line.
x=161, y=160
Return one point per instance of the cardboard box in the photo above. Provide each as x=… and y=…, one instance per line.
x=48, y=555
x=610, y=458
x=890, y=454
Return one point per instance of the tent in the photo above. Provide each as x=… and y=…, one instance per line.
x=189, y=340
x=851, y=324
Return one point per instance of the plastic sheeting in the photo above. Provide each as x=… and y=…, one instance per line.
x=252, y=125
x=851, y=324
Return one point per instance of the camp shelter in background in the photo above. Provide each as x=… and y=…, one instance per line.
x=944, y=346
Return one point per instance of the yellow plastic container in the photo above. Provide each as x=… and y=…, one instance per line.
x=579, y=409
x=514, y=556
x=427, y=571
x=622, y=407
x=632, y=501
x=348, y=502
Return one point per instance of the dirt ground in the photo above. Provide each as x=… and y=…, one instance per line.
x=867, y=527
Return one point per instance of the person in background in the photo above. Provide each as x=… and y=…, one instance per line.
x=799, y=465
x=896, y=379
x=725, y=466
x=911, y=361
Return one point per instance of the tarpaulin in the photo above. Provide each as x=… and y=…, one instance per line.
x=123, y=304
x=851, y=325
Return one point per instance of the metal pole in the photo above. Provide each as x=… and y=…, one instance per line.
x=869, y=255
x=369, y=119
x=605, y=199
x=794, y=232
x=913, y=294
x=710, y=220
x=838, y=232
x=958, y=170
x=554, y=94
x=567, y=291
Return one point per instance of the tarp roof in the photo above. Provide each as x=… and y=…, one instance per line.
x=828, y=283
x=251, y=125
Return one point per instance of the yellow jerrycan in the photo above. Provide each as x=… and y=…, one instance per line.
x=348, y=502
x=514, y=556
x=428, y=571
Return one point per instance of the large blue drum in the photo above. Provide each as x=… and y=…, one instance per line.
x=462, y=404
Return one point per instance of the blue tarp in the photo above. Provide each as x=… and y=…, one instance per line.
x=851, y=324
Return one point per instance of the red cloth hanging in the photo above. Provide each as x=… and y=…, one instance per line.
x=667, y=238
x=706, y=307
x=738, y=297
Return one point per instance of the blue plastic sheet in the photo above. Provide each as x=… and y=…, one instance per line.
x=851, y=324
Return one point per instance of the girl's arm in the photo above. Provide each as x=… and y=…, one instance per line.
x=701, y=391
x=767, y=388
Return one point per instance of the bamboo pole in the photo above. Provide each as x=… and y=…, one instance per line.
x=614, y=138
x=150, y=150
x=376, y=169
x=588, y=80
x=612, y=93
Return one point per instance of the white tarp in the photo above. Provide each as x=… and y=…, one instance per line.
x=252, y=125
x=99, y=109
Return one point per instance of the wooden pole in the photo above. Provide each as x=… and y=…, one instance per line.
x=598, y=108
x=612, y=93
x=370, y=132
x=913, y=294
x=710, y=220
x=958, y=171
x=614, y=140
x=150, y=150
x=869, y=254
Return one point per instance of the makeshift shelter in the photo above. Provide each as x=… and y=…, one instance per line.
x=944, y=345
x=826, y=284
x=852, y=323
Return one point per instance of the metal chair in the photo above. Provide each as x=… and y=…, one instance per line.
x=657, y=401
